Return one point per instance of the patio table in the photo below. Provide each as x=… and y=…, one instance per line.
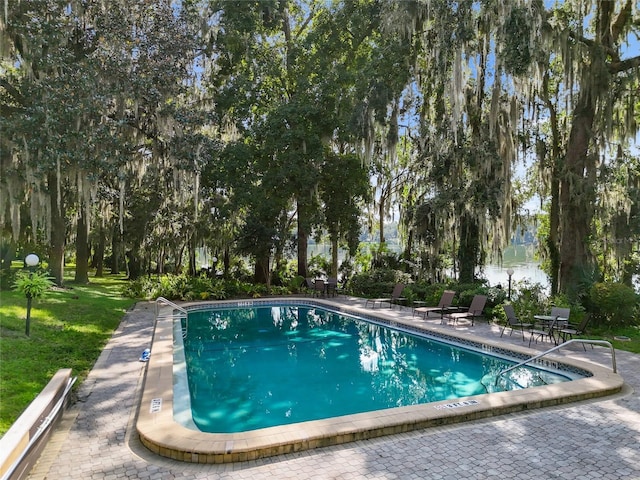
x=547, y=320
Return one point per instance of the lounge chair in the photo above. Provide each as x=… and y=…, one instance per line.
x=514, y=322
x=445, y=302
x=396, y=296
x=474, y=310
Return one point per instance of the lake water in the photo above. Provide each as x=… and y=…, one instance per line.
x=520, y=258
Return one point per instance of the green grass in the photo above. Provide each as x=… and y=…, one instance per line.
x=632, y=332
x=69, y=329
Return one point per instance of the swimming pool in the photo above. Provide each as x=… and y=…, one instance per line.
x=162, y=433
x=269, y=365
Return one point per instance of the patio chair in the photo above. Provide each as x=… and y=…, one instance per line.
x=342, y=289
x=396, y=296
x=445, y=302
x=318, y=287
x=563, y=313
x=332, y=286
x=310, y=285
x=513, y=321
x=475, y=310
x=544, y=331
x=579, y=330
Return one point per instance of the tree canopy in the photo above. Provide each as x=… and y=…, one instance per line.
x=144, y=131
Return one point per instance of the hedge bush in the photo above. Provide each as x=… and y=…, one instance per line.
x=184, y=287
x=613, y=304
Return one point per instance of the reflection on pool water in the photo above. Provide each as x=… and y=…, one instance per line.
x=256, y=367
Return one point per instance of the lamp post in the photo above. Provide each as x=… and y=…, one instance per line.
x=510, y=273
x=31, y=260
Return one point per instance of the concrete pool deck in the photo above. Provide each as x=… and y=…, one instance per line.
x=589, y=439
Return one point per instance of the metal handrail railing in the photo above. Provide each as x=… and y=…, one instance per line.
x=170, y=303
x=183, y=313
x=573, y=340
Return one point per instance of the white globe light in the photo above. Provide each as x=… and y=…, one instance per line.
x=32, y=260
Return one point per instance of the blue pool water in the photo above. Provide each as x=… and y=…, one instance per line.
x=250, y=368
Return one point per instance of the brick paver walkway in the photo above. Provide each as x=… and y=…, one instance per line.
x=589, y=440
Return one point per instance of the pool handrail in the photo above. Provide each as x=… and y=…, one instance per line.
x=183, y=313
x=170, y=303
x=573, y=340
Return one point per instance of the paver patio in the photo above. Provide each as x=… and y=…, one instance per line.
x=595, y=439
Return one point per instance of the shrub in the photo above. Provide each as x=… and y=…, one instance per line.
x=529, y=299
x=613, y=304
x=297, y=284
x=283, y=290
x=198, y=288
x=428, y=292
x=283, y=274
x=495, y=297
x=183, y=287
x=218, y=290
x=377, y=282
x=139, y=288
x=318, y=266
x=32, y=285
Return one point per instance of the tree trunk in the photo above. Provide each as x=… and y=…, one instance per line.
x=58, y=231
x=468, y=249
x=161, y=260
x=261, y=272
x=408, y=255
x=227, y=262
x=8, y=254
x=576, y=197
x=116, y=245
x=554, y=212
x=577, y=184
x=134, y=266
x=178, y=262
x=334, y=256
x=98, y=254
x=381, y=219
x=82, y=249
x=553, y=240
x=192, y=256
x=303, y=241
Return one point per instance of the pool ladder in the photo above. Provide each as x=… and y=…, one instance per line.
x=182, y=313
x=573, y=340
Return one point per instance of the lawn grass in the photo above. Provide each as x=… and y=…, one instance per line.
x=631, y=332
x=69, y=329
